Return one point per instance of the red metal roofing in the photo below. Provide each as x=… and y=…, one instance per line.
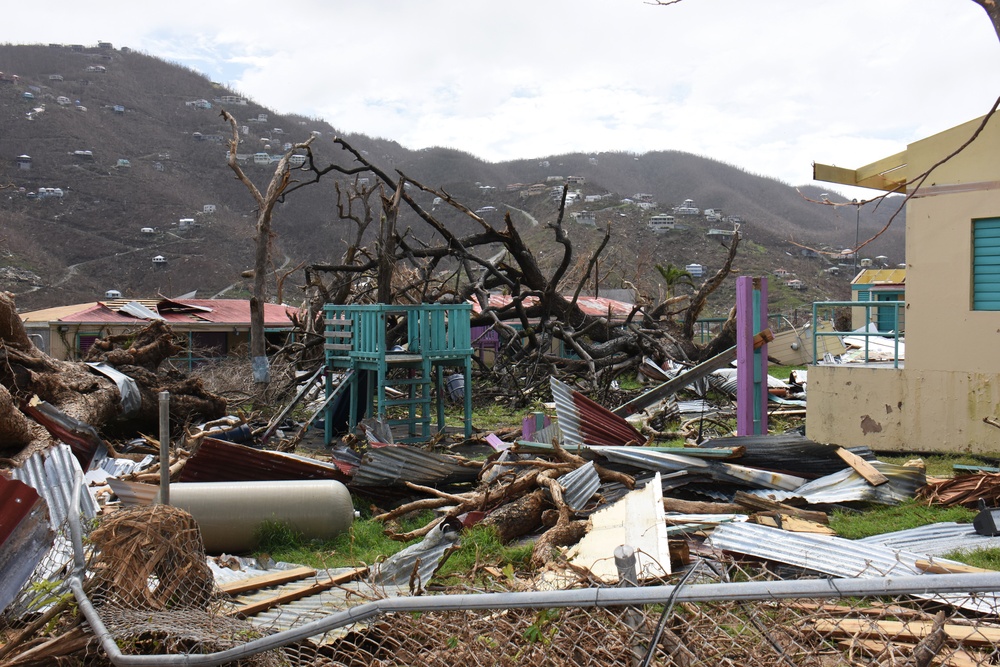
x=17, y=500
x=220, y=461
x=188, y=311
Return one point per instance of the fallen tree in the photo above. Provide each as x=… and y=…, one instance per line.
x=429, y=261
x=27, y=373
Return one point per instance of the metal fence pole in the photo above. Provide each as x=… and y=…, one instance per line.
x=625, y=562
x=165, y=447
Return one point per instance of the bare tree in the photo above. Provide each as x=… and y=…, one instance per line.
x=280, y=181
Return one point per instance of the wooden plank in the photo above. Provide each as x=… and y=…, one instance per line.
x=979, y=635
x=297, y=593
x=339, y=334
x=948, y=658
x=792, y=524
x=937, y=567
x=862, y=467
x=760, y=504
x=265, y=580
x=338, y=321
x=338, y=346
x=687, y=377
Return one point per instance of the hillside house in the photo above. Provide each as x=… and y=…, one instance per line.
x=590, y=199
x=878, y=285
x=208, y=209
x=147, y=230
x=938, y=399
x=213, y=327
x=112, y=294
x=118, y=109
x=586, y=218
x=123, y=163
x=55, y=77
x=795, y=284
x=575, y=180
x=160, y=260
x=662, y=222
x=687, y=208
x=781, y=273
x=261, y=159
x=63, y=101
x=696, y=270
x=23, y=162
x=233, y=99
x=721, y=233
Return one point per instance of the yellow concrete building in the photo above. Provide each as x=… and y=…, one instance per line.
x=950, y=381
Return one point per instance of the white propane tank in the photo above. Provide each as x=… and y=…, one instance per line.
x=229, y=513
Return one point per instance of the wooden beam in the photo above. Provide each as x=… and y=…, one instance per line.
x=265, y=580
x=862, y=467
x=937, y=567
x=296, y=594
x=760, y=504
x=687, y=377
x=978, y=635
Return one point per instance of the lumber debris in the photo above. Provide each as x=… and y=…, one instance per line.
x=862, y=467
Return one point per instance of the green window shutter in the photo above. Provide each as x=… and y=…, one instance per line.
x=986, y=264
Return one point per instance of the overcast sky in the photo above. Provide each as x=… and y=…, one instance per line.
x=767, y=85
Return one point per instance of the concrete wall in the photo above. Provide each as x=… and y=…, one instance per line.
x=951, y=376
x=903, y=410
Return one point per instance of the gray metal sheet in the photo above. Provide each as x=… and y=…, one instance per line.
x=579, y=486
x=834, y=556
x=398, y=463
x=418, y=562
x=51, y=472
x=936, y=539
x=849, y=486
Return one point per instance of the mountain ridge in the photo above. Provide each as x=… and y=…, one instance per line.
x=151, y=114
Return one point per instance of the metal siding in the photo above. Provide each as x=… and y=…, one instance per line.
x=986, y=264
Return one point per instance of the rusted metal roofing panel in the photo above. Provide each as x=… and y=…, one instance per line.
x=25, y=536
x=220, y=461
x=52, y=472
x=936, y=539
x=86, y=444
x=395, y=464
x=584, y=422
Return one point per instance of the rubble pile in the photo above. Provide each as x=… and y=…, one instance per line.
x=580, y=486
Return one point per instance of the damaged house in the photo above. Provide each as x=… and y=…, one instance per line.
x=212, y=327
x=938, y=400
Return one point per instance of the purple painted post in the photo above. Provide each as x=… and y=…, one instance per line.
x=751, y=365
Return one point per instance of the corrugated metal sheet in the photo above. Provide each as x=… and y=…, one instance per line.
x=936, y=539
x=584, y=422
x=834, y=556
x=25, y=536
x=847, y=486
x=789, y=451
x=643, y=458
x=396, y=464
x=137, y=310
x=51, y=472
x=220, y=461
x=417, y=563
x=579, y=486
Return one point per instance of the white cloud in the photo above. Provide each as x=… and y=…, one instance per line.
x=770, y=85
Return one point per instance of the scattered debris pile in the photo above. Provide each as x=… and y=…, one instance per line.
x=580, y=488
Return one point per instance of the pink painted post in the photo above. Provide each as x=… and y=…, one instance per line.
x=744, y=355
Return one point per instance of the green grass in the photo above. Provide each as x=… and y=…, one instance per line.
x=366, y=543
x=781, y=372
x=938, y=465
x=879, y=519
x=988, y=559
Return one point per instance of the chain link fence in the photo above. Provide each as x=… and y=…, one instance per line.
x=142, y=594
